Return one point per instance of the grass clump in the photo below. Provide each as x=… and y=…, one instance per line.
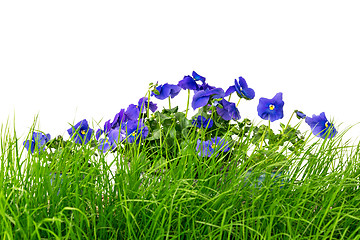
x=184, y=196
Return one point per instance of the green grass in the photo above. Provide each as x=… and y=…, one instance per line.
x=184, y=197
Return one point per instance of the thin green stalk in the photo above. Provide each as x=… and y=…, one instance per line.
x=288, y=122
x=238, y=102
x=187, y=105
x=263, y=136
x=169, y=103
x=148, y=106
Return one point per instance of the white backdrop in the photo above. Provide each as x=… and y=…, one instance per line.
x=70, y=60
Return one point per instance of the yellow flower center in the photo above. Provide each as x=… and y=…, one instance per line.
x=83, y=132
x=133, y=134
x=213, y=145
x=326, y=124
x=271, y=107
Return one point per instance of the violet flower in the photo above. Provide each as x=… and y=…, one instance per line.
x=201, y=98
x=82, y=132
x=271, y=108
x=202, y=122
x=37, y=140
x=166, y=90
x=320, y=126
x=208, y=148
x=228, y=111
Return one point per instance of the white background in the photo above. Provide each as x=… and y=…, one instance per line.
x=70, y=60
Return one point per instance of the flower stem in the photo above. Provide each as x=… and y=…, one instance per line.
x=148, y=105
x=187, y=106
x=238, y=102
x=229, y=97
x=263, y=136
x=169, y=103
x=288, y=122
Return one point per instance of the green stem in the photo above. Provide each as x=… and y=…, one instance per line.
x=169, y=103
x=263, y=136
x=148, y=105
x=238, y=102
x=288, y=122
x=187, y=106
x=229, y=97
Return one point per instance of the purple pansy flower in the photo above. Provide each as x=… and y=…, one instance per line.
x=320, y=126
x=82, y=132
x=208, y=148
x=242, y=89
x=118, y=120
x=271, y=108
x=98, y=134
x=134, y=130
x=37, y=140
x=188, y=83
x=229, y=110
x=132, y=112
x=143, y=104
x=299, y=114
x=166, y=90
x=106, y=144
x=201, y=98
x=202, y=122
x=197, y=77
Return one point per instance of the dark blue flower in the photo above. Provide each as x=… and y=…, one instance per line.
x=37, y=140
x=118, y=120
x=202, y=122
x=82, y=132
x=208, y=148
x=242, y=89
x=143, y=104
x=228, y=111
x=98, y=134
x=299, y=114
x=188, y=83
x=201, y=98
x=132, y=112
x=166, y=90
x=320, y=126
x=197, y=77
x=106, y=144
x=134, y=130
x=271, y=108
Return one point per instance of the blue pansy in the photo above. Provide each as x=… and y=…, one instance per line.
x=188, y=83
x=300, y=115
x=118, y=119
x=201, y=98
x=132, y=112
x=144, y=103
x=105, y=144
x=134, y=130
x=197, y=77
x=320, y=126
x=208, y=148
x=242, y=89
x=271, y=108
x=98, y=134
x=37, y=140
x=166, y=90
x=228, y=111
x=82, y=132
x=202, y=122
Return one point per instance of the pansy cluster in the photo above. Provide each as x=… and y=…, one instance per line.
x=134, y=126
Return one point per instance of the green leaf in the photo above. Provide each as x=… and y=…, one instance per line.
x=169, y=111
